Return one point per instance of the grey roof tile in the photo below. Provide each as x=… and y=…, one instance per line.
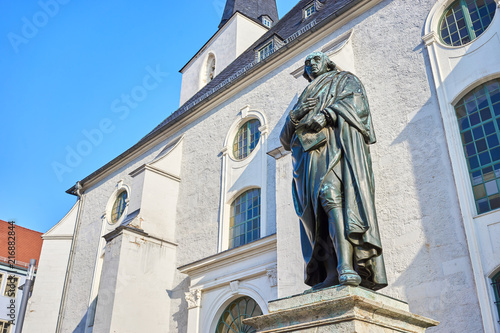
x=251, y=8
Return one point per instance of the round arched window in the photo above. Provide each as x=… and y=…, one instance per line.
x=210, y=70
x=119, y=206
x=246, y=139
x=478, y=115
x=465, y=20
x=231, y=319
x=244, y=225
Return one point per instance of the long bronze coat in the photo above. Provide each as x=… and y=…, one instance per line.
x=346, y=153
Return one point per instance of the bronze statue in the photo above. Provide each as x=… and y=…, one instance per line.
x=329, y=131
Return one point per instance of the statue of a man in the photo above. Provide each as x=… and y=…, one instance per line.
x=329, y=131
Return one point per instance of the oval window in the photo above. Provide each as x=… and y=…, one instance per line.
x=231, y=319
x=119, y=207
x=465, y=20
x=246, y=139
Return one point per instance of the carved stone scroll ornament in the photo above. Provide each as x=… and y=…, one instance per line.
x=272, y=275
x=193, y=298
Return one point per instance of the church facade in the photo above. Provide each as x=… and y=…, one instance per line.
x=194, y=227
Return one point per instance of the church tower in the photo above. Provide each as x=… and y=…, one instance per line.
x=243, y=22
x=256, y=9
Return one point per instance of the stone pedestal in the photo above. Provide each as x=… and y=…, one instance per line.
x=340, y=309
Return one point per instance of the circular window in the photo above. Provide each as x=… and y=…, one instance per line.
x=465, y=20
x=231, y=319
x=246, y=139
x=119, y=206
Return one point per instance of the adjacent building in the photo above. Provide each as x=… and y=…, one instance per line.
x=193, y=228
x=19, y=245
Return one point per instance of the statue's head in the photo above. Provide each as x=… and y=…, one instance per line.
x=317, y=63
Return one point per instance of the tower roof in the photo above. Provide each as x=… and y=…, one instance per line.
x=251, y=8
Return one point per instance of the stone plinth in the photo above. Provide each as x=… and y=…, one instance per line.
x=340, y=309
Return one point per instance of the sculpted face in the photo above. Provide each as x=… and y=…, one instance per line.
x=316, y=65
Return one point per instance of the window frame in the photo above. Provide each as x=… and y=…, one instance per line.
x=495, y=284
x=248, y=131
x=307, y=13
x=119, y=188
x=261, y=52
x=255, y=167
x=114, y=219
x=232, y=217
x=468, y=23
x=470, y=129
x=5, y=326
x=9, y=283
x=238, y=300
x=266, y=19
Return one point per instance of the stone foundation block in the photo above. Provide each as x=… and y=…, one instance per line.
x=340, y=309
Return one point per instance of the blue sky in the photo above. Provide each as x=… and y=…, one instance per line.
x=66, y=67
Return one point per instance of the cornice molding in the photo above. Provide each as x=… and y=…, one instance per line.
x=229, y=257
x=155, y=170
x=57, y=237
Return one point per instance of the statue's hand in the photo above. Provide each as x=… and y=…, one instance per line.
x=318, y=122
x=304, y=108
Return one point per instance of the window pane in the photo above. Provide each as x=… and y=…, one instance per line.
x=231, y=320
x=119, y=207
x=245, y=211
x=453, y=28
x=482, y=144
x=246, y=139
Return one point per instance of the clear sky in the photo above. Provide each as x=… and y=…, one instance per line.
x=64, y=67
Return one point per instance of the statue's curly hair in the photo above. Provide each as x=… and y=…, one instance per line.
x=329, y=63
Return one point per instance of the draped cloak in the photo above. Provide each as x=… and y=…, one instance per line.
x=345, y=152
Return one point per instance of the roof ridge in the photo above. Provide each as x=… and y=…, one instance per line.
x=18, y=226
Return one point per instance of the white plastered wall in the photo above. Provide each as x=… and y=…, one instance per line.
x=227, y=44
x=157, y=184
x=456, y=71
x=43, y=306
x=136, y=277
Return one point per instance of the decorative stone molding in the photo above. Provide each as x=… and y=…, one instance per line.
x=193, y=298
x=278, y=153
x=272, y=275
x=430, y=38
x=340, y=309
x=235, y=286
x=244, y=111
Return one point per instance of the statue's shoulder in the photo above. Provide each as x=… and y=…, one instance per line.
x=347, y=74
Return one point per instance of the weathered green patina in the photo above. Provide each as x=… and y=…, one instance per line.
x=329, y=131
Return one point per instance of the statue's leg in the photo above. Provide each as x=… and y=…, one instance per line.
x=331, y=197
x=343, y=248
